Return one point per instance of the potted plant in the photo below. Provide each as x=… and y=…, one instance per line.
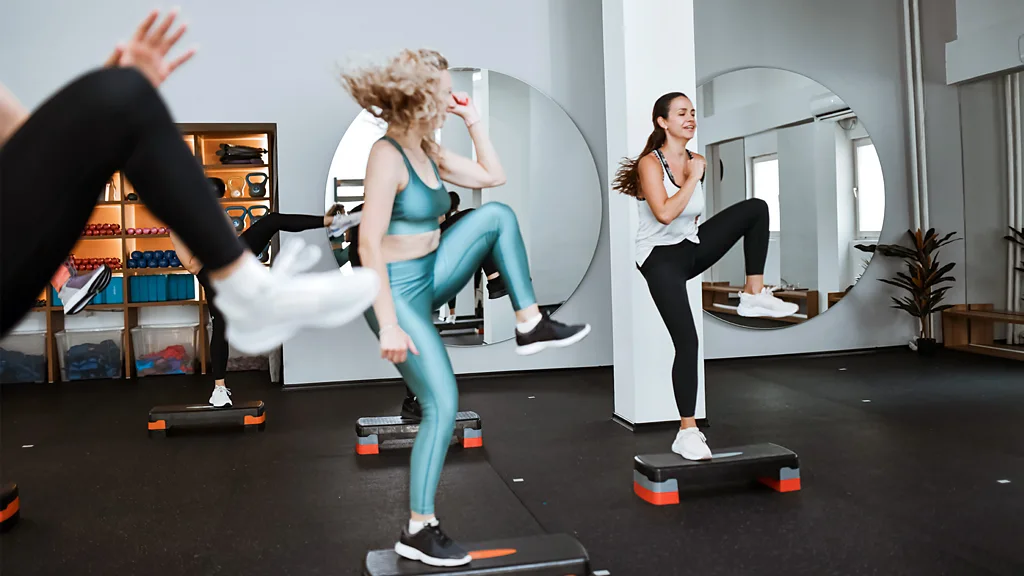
x=1017, y=238
x=921, y=280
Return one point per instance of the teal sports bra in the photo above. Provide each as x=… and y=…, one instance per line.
x=417, y=206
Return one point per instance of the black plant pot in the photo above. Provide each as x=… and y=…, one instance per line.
x=927, y=346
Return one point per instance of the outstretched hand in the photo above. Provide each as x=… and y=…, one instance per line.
x=147, y=49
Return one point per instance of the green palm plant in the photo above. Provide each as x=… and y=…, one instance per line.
x=922, y=277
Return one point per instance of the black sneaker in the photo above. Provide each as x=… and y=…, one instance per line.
x=411, y=409
x=549, y=333
x=496, y=288
x=431, y=546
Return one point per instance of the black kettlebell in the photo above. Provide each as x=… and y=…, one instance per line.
x=132, y=197
x=237, y=221
x=257, y=189
x=218, y=186
x=265, y=254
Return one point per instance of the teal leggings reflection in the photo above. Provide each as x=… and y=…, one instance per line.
x=419, y=287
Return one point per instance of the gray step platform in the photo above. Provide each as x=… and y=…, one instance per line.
x=250, y=415
x=390, y=432
x=657, y=478
x=544, y=555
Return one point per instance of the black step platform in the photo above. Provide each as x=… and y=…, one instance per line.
x=544, y=555
x=251, y=415
x=389, y=432
x=657, y=478
x=10, y=506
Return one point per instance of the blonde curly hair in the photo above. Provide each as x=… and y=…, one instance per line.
x=405, y=92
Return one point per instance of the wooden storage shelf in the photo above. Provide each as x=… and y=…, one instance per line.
x=202, y=140
x=971, y=328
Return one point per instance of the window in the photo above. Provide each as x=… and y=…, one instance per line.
x=868, y=188
x=765, y=186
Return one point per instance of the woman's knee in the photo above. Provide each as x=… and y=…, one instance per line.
x=502, y=213
x=758, y=207
x=118, y=93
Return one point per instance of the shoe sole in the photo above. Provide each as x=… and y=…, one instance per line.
x=536, y=347
x=763, y=313
x=261, y=338
x=691, y=457
x=410, y=553
x=85, y=295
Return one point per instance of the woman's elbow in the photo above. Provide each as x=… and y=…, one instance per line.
x=663, y=217
x=496, y=181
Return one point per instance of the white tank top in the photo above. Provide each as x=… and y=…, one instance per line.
x=651, y=233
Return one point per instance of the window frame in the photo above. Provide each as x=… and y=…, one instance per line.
x=752, y=192
x=860, y=234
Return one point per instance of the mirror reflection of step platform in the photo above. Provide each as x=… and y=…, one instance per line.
x=392, y=432
x=547, y=554
x=10, y=506
x=658, y=478
x=250, y=416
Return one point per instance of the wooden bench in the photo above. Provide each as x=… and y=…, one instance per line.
x=715, y=298
x=971, y=328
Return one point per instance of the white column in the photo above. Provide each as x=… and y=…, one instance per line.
x=648, y=51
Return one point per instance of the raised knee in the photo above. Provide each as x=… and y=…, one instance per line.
x=501, y=212
x=120, y=92
x=759, y=205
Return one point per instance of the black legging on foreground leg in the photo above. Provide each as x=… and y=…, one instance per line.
x=54, y=168
x=669, y=267
x=256, y=237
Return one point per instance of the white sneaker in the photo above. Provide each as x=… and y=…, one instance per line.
x=765, y=304
x=295, y=257
x=342, y=223
x=263, y=309
x=692, y=445
x=221, y=397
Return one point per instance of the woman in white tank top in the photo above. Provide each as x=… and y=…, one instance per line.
x=673, y=247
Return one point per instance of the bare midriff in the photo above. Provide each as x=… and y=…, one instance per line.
x=402, y=247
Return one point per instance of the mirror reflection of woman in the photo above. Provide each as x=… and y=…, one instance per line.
x=400, y=238
x=672, y=247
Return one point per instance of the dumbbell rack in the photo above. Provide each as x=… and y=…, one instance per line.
x=115, y=208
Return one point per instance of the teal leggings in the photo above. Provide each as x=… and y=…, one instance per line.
x=418, y=288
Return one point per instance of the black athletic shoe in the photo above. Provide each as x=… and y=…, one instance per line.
x=411, y=409
x=549, y=333
x=496, y=288
x=432, y=547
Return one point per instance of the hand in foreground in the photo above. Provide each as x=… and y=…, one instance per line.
x=148, y=49
x=394, y=345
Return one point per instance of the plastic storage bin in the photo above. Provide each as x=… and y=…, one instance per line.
x=23, y=357
x=237, y=362
x=164, y=349
x=90, y=354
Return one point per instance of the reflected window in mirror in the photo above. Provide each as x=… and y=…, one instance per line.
x=869, y=189
x=765, y=186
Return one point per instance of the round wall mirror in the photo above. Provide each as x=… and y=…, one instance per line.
x=784, y=138
x=552, y=185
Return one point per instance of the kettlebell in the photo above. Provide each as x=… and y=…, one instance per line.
x=132, y=197
x=253, y=216
x=265, y=255
x=237, y=221
x=257, y=189
x=218, y=186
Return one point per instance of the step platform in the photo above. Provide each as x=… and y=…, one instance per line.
x=10, y=506
x=250, y=415
x=543, y=555
x=389, y=432
x=657, y=478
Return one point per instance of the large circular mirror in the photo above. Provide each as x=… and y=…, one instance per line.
x=784, y=138
x=551, y=183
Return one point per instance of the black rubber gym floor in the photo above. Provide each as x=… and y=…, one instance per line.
x=904, y=484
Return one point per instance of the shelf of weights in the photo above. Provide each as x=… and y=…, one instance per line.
x=121, y=227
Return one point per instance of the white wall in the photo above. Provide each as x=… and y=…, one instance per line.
x=987, y=39
x=798, y=205
x=298, y=89
x=855, y=50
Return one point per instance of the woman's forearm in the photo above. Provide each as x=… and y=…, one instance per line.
x=675, y=205
x=486, y=155
x=384, y=306
x=12, y=114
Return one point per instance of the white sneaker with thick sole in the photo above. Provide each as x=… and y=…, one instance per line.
x=765, y=304
x=221, y=397
x=692, y=445
x=264, y=308
x=343, y=223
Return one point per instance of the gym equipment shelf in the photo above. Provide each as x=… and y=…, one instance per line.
x=202, y=140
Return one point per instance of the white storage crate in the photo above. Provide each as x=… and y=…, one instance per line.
x=164, y=349
x=23, y=357
x=91, y=354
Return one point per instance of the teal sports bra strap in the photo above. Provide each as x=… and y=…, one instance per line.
x=408, y=164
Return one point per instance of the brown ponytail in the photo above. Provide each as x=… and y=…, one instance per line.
x=627, y=179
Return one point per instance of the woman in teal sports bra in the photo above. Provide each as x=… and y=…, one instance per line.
x=400, y=238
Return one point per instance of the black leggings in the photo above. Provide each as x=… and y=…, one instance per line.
x=54, y=168
x=256, y=237
x=669, y=267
